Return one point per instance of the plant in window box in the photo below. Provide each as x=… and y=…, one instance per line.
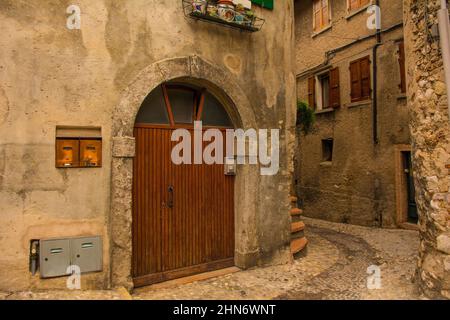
x=225, y=9
x=212, y=10
x=199, y=6
x=240, y=14
x=249, y=18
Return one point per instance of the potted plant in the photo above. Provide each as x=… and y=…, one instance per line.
x=240, y=14
x=199, y=6
x=212, y=10
x=249, y=17
x=225, y=9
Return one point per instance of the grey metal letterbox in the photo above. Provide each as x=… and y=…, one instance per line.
x=54, y=257
x=87, y=253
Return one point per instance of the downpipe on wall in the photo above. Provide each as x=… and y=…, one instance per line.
x=375, y=76
x=444, y=36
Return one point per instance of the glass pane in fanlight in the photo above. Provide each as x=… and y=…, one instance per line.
x=153, y=109
x=214, y=113
x=182, y=102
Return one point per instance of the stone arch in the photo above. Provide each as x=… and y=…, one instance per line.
x=223, y=84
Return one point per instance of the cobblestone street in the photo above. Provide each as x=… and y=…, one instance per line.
x=334, y=267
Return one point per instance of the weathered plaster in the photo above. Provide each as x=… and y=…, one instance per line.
x=52, y=76
x=194, y=69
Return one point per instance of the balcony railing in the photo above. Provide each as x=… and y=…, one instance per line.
x=225, y=15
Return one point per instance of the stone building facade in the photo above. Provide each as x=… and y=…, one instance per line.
x=97, y=77
x=429, y=125
x=351, y=167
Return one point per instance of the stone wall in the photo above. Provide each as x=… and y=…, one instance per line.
x=359, y=186
x=50, y=75
x=429, y=125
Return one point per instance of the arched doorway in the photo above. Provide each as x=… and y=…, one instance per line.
x=183, y=215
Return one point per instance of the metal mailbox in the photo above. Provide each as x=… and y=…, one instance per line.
x=57, y=255
x=67, y=153
x=87, y=253
x=91, y=153
x=54, y=257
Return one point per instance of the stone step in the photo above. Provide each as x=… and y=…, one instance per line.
x=297, y=226
x=298, y=245
x=296, y=212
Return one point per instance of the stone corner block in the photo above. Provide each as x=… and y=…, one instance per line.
x=124, y=147
x=443, y=243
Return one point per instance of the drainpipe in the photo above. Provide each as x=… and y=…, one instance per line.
x=375, y=79
x=444, y=36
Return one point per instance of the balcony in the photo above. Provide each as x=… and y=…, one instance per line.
x=227, y=15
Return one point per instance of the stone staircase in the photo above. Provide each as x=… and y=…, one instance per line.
x=298, y=239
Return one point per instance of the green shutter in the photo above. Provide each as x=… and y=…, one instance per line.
x=264, y=3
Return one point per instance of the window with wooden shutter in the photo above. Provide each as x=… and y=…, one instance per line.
x=312, y=92
x=321, y=14
x=402, y=62
x=356, y=4
x=335, y=94
x=360, y=79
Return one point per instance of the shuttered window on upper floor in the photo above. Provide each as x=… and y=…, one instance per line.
x=324, y=90
x=353, y=5
x=360, y=79
x=321, y=14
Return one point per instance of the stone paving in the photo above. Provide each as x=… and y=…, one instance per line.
x=335, y=267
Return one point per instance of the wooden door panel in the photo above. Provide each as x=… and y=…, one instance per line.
x=198, y=232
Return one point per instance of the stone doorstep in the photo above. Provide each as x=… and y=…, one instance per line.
x=190, y=279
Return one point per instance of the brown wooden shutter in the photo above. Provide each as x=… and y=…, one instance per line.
x=312, y=92
x=366, y=88
x=335, y=95
x=360, y=79
x=355, y=78
x=402, y=62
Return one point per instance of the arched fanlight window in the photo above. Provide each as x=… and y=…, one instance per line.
x=180, y=104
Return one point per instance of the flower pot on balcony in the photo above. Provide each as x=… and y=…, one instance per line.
x=240, y=15
x=212, y=10
x=199, y=6
x=226, y=11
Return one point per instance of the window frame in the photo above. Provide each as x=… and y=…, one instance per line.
x=316, y=93
x=327, y=147
x=359, y=7
x=198, y=105
x=320, y=91
x=323, y=26
x=402, y=65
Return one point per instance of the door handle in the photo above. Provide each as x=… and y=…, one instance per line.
x=170, y=201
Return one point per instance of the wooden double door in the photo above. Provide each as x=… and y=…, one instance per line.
x=183, y=215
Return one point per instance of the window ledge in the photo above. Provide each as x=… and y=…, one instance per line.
x=359, y=104
x=326, y=164
x=328, y=110
x=315, y=34
x=351, y=14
